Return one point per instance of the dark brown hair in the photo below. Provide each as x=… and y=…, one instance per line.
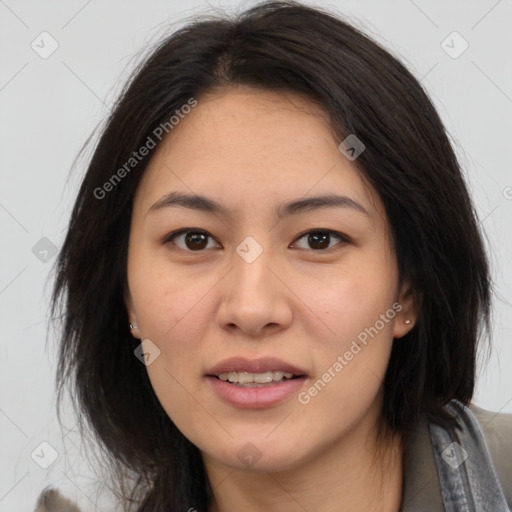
x=408, y=160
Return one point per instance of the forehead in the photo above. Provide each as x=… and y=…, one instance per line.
x=243, y=145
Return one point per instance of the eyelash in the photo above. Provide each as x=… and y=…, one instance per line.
x=343, y=238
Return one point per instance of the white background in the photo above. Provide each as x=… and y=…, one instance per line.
x=49, y=107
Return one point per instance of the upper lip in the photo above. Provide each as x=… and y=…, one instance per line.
x=265, y=364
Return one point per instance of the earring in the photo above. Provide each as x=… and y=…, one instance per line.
x=132, y=326
x=407, y=322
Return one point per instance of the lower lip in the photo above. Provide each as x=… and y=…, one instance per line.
x=256, y=397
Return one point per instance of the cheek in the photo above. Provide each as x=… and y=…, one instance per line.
x=174, y=314
x=351, y=363
x=350, y=298
x=357, y=306
x=169, y=301
x=173, y=311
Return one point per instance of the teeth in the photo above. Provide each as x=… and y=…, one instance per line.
x=278, y=375
x=262, y=378
x=259, y=378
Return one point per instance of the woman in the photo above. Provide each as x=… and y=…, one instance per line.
x=273, y=282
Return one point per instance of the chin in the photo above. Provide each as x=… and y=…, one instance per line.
x=261, y=455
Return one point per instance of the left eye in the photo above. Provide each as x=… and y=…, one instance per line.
x=321, y=238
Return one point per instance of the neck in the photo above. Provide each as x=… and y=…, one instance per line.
x=355, y=473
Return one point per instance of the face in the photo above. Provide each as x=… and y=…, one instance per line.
x=240, y=286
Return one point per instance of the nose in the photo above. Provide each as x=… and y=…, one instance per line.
x=255, y=299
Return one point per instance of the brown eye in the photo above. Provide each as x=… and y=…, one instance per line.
x=189, y=240
x=321, y=239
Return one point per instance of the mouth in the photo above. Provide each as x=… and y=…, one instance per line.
x=254, y=372
x=255, y=383
x=256, y=380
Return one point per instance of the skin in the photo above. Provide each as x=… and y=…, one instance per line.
x=252, y=150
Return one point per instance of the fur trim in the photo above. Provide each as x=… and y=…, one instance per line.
x=50, y=500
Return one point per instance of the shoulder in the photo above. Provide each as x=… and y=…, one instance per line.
x=497, y=431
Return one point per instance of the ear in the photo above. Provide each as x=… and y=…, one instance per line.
x=132, y=317
x=407, y=316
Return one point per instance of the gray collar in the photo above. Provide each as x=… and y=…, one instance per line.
x=450, y=470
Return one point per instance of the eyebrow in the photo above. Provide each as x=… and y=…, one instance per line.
x=208, y=205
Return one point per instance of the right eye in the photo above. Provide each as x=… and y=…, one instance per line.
x=192, y=240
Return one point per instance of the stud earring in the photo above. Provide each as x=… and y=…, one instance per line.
x=132, y=326
x=407, y=322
